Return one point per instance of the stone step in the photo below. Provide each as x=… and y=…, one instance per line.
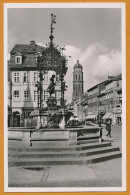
x=87, y=137
x=87, y=141
x=67, y=154
x=65, y=161
x=70, y=148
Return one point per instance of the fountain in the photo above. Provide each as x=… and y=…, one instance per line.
x=53, y=130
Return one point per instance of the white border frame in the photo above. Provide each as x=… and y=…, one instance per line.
x=123, y=44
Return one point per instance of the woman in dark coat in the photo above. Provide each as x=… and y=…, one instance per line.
x=108, y=128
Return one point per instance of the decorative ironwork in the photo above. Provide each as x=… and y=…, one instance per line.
x=52, y=58
x=53, y=21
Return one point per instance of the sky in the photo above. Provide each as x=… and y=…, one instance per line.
x=90, y=35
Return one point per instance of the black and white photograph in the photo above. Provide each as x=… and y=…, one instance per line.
x=64, y=97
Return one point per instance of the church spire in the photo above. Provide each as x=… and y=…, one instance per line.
x=77, y=80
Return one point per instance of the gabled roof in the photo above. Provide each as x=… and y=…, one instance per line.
x=29, y=51
x=26, y=48
x=116, y=78
x=28, y=61
x=95, y=86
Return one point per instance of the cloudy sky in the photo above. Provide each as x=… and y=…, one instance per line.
x=91, y=35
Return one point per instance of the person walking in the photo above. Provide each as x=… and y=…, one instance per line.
x=108, y=128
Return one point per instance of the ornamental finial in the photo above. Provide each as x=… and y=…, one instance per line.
x=53, y=21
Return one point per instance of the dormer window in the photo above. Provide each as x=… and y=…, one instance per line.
x=18, y=58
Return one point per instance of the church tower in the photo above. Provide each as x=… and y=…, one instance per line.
x=77, y=80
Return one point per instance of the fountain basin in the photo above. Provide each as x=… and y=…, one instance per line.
x=49, y=137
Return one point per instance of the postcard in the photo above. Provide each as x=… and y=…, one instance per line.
x=64, y=97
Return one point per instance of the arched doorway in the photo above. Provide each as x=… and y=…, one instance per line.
x=16, y=119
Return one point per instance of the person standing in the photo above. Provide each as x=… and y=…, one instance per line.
x=108, y=128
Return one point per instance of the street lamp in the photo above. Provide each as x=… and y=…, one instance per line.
x=39, y=84
x=99, y=113
x=86, y=107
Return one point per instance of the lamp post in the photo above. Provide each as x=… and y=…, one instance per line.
x=39, y=84
x=99, y=114
x=86, y=107
x=64, y=60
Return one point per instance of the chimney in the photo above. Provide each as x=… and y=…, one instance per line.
x=32, y=43
x=110, y=78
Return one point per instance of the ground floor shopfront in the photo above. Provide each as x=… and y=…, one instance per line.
x=115, y=115
x=21, y=117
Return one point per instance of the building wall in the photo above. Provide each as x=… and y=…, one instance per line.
x=25, y=106
x=93, y=100
x=113, y=100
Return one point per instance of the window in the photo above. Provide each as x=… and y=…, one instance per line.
x=26, y=95
x=35, y=76
x=58, y=95
x=18, y=59
x=26, y=114
x=26, y=77
x=35, y=95
x=45, y=95
x=16, y=96
x=79, y=87
x=16, y=77
x=111, y=105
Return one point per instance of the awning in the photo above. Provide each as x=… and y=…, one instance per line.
x=91, y=116
x=107, y=115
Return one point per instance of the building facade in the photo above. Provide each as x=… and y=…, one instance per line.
x=23, y=76
x=93, y=101
x=105, y=100
x=113, y=99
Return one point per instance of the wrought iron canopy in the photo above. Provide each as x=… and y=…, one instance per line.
x=52, y=59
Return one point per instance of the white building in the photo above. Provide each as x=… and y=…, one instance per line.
x=23, y=94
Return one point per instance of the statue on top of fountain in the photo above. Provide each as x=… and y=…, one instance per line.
x=51, y=87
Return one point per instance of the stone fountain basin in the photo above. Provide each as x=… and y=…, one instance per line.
x=52, y=136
